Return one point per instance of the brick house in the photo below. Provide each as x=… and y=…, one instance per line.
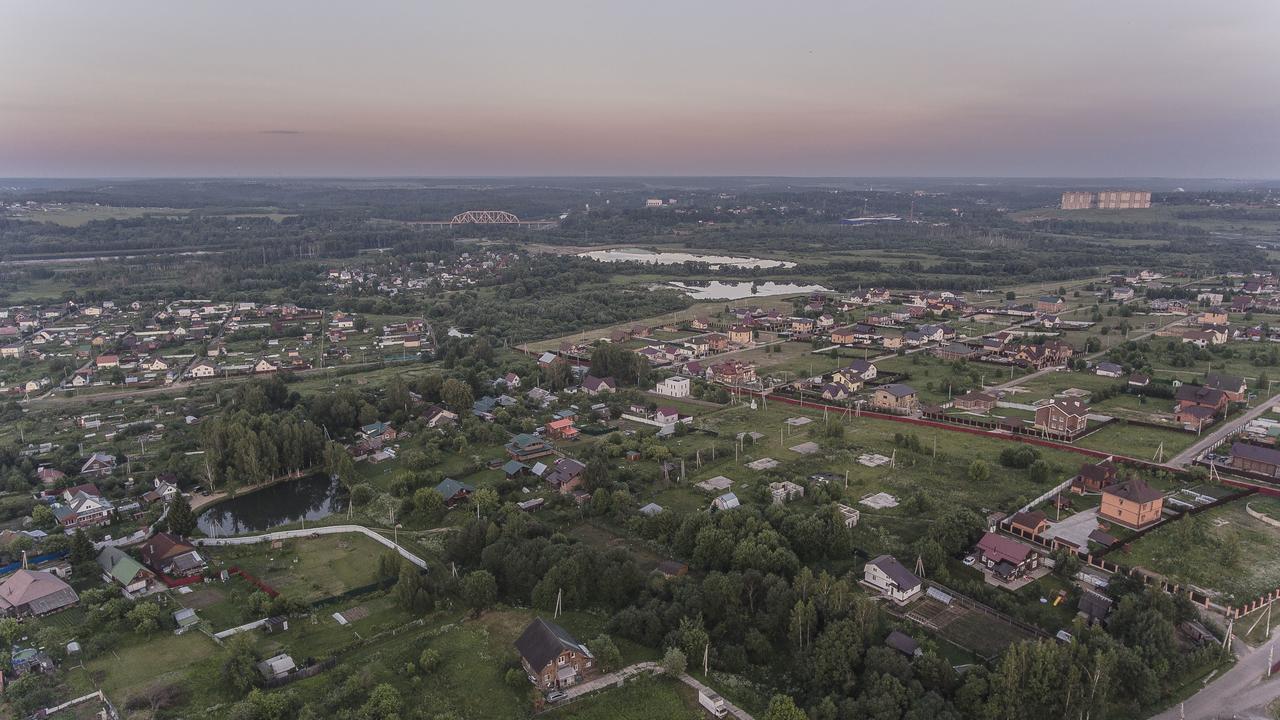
x=895, y=397
x=1133, y=504
x=1064, y=417
x=1007, y=558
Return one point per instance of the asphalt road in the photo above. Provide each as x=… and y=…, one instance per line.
x=1244, y=691
x=1185, y=457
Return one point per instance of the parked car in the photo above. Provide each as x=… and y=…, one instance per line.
x=969, y=560
x=555, y=696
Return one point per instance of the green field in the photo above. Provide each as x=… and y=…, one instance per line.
x=307, y=569
x=1223, y=549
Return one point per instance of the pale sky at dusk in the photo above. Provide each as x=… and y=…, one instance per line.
x=699, y=87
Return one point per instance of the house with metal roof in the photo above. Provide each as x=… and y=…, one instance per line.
x=32, y=592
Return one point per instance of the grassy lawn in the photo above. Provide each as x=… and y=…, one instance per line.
x=940, y=481
x=307, y=569
x=1137, y=441
x=128, y=669
x=641, y=699
x=1050, y=384
x=1223, y=549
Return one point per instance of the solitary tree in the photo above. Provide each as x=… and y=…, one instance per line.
x=479, y=591
x=181, y=519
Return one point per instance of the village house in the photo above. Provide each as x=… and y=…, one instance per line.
x=1198, y=405
x=202, y=369
x=566, y=475
x=435, y=416
x=117, y=566
x=1093, y=477
x=732, y=372
x=1235, y=388
x=741, y=335
x=717, y=342
x=1108, y=369
x=562, y=429
x=895, y=397
x=1063, y=417
x=82, y=506
x=1006, y=558
x=595, y=386
x=676, y=387
x=30, y=593
x=1033, y=523
x=1050, y=304
x=98, y=465
x=1132, y=503
x=975, y=401
x=891, y=579
x=171, y=556
x=551, y=657
x=453, y=491
x=525, y=447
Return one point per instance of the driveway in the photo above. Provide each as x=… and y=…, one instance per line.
x=1076, y=528
x=620, y=676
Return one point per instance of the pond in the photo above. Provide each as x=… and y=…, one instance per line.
x=716, y=290
x=310, y=498
x=675, y=258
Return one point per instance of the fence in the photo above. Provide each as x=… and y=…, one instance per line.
x=37, y=560
x=304, y=673
x=253, y=580
x=314, y=532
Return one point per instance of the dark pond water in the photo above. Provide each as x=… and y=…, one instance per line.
x=310, y=498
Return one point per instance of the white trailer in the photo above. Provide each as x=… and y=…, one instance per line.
x=712, y=702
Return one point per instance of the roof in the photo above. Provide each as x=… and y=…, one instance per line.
x=1135, y=490
x=1029, y=519
x=1256, y=453
x=1094, y=604
x=163, y=546
x=1098, y=472
x=1069, y=407
x=119, y=565
x=898, y=390
x=1199, y=395
x=42, y=592
x=1001, y=548
x=1228, y=383
x=1102, y=538
x=902, y=643
x=728, y=501
x=514, y=466
x=901, y=576
x=449, y=488
x=543, y=641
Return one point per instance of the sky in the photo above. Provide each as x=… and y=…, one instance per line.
x=1084, y=88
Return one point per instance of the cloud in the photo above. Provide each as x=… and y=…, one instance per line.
x=280, y=132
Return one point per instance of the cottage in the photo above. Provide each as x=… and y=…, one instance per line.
x=975, y=401
x=562, y=429
x=895, y=397
x=98, y=465
x=1093, y=477
x=676, y=387
x=1108, y=369
x=171, y=556
x=566, y=475
x=595, y=386
x=551, y=657
x=1133, y=504
x=130, y=574
x=32, y=593
x=894, y=581
x=525, y=447
x=1033, y=523
x=1233, y=387
x=741, y=335
x=1007, y=558
x=1064, y=417
x=453, y=491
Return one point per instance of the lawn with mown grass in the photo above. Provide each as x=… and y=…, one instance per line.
x=307, y=569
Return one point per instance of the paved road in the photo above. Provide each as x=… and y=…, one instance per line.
x=1185, y=457
x=1243, y=691
x=616, y=677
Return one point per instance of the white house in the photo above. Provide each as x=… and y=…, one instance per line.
x=894, y=581
x=677, y=387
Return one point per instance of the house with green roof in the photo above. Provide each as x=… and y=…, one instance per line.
x=117, y=566
x=525, y=447
x=453, y=491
